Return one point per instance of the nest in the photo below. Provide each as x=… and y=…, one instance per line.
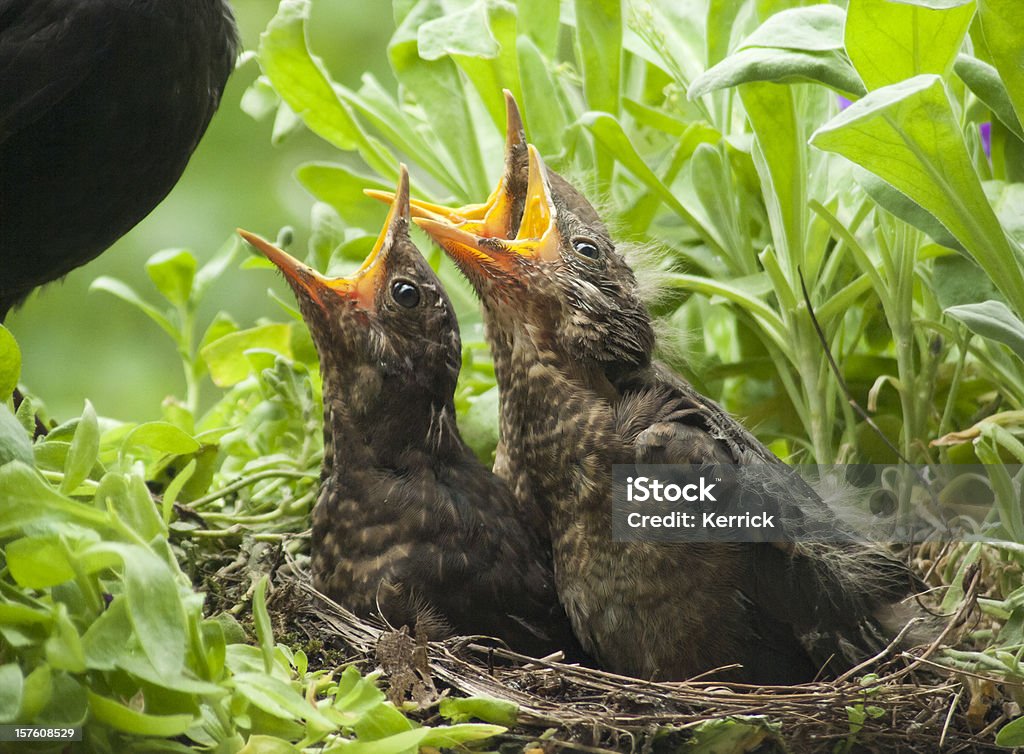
x=910, y=703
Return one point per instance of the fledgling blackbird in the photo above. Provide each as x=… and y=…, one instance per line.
x=102, y=103
x=581, y=394
x=408, y=522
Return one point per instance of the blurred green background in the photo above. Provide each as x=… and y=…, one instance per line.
x=79, y=345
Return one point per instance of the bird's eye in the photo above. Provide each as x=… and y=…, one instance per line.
x=405, y=293
x=586, y=248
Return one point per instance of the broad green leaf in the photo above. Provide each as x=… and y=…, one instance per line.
x=1011, y=735
x=10, y=364
x=539, y=20
x=984, y=81
x=992, y=320
x=125, y=293
x=497, y=711
x=907, y=135
x=463, y=32
x=599, y=47
x=407, y=742
x=162, y=437
x=15, y=445
x=108, y=638
x=154, y=604
x=720, y=21
x=302, y=81
x=37, y=691
x=816, y=28
x=957, y=280
x=29, y=501
x=342, y=189
x=39, y=562
x=268, y=745
x=356, y=696
x=124, y=718
x=380, y=722
x=903, y=207
x=225, y=358
x=84, y=451
x=454, y=736
x=278, y=698
x=11, y=687
x=64, y=646
x=781, y=161
x=800, y=44
x=1004, y=37
x=889, y=42
x=779, y=66
x=173, y=272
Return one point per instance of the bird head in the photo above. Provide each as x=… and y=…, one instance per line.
x=391, y=320
x=547, y=263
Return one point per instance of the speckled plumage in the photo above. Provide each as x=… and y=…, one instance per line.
x=573, y=347
x=102, y=103
x=409, y=524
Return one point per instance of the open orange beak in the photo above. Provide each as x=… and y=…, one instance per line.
x=359, y=287
x=538, y=238
x=493, y=218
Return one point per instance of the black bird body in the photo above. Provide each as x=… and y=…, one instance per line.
x=408, y=523
x=102, y=102
x=581, y=393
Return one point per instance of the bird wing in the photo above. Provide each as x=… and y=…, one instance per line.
x=821, y=586
x=47, y=47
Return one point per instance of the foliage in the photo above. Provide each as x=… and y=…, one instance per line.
x=716, y=133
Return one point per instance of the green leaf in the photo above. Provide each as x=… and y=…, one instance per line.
x=172, y=272
x=162, y=437
x=488, y=709
x=1011, y=735
x=15, y=444
x=277, y=698
x=599, y=47
x=992, y=320
x=301, y=80
x=540, y=95
x=225, y=357
x=984, y=81
x=1004, y=37
x=37, y=691
x=816, y=28
x=10, y=364
x=64, y=646
x=464, y=32
x=154, y=604
x=907, y=135
x=39, y=562
x=342, y=189
x=11, y=689
x=125, y=293
x=268, y=745
x=29, y=501
x=539, y=21
x=903, y=207
x=889, y=42
x=454, y=736
x=799, y=44
x=84, y=451
x=124, y=718
x=779, y=66
x=407, y=742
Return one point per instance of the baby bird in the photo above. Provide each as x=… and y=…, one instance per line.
x=581, y=393
x=408, y=523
